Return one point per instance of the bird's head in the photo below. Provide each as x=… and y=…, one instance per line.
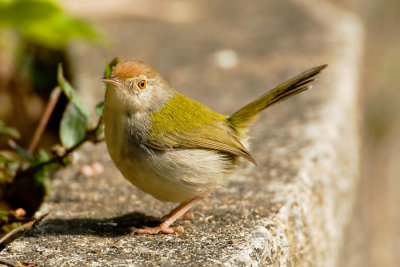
x=137, y=84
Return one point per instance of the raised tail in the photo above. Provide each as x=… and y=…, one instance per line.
x=242, y=119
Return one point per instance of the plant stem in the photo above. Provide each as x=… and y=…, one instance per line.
x=54, y=96
x=91, y=135
x=12, y=234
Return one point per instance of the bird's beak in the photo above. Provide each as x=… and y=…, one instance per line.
x=111, y=80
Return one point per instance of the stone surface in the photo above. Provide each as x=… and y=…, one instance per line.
x=289, y=210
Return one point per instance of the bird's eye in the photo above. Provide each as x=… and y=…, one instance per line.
x=141, y=84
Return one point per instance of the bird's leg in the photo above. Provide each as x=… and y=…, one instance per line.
x=164, y=227
x=186, y=216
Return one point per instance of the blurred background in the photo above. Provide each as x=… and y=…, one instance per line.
x=35, y=38
x=377, y=217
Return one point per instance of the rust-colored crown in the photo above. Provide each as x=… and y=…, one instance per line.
x=130, y=69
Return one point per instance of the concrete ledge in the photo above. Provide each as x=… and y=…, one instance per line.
x=289, y=210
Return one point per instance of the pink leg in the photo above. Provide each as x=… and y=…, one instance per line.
x=186, y=216
x=164, y=227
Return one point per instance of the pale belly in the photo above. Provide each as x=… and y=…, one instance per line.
x=173, y=175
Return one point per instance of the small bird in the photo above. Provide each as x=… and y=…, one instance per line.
x=172, y=147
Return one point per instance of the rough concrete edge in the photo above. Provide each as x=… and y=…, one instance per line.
x=269, y=241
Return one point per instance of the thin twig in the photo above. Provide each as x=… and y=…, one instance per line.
x=18, y=264
x=54, y=96
x=91, y=135
x=12, y=234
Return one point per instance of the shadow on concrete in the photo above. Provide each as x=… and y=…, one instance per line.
x=107, y=227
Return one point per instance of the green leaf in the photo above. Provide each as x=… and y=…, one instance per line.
x=41, y=177
x=45, y=23
x=73, y=126
x=4, y=130
x=75, y=118
x=70, y=92
x=109, y=66
x=99, y=108
x=42, y=156
x=9, y=165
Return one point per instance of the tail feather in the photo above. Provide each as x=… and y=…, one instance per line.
x=242, y=119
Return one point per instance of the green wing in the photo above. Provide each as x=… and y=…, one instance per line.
x=173, y=127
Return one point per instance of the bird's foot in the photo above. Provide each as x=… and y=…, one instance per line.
x=158, y=230
x=164, y=228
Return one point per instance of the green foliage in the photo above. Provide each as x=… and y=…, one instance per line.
x=99, y=108
x=42, y=173
x=75, y=118
x=4, y=130
x=109, y=66
x=107, y=73
x=44, y=23
x=70, y=92
x=9, y=165
x=9, y=220
x=73, y=126
x=31, y=173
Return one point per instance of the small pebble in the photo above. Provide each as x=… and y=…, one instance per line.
x=92, y=169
